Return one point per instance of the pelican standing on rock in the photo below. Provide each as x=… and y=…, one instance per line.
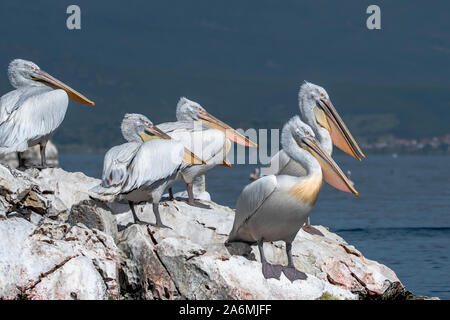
x=275, y=207
x=319, y=113
x=205, y=135
x=144, y=167
x=31, y=114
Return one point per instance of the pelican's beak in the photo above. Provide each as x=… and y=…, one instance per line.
x=43, y=76
x=230, y=133
x=340, y=135
x=153, y=132
x=331, y=172
x=190, y=158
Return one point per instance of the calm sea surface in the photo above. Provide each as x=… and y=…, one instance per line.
x=401, y=218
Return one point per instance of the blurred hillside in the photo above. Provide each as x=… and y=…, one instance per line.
x=244, y=61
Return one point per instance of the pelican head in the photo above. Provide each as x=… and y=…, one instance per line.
x=300, y=143
x=188, y=110
x=316, y=107
x=136, y=127
x=23, y=73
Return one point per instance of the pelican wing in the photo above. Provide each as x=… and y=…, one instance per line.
x=28, y=114
x=13, y=100
x=250, y=200
x=115, y=171
x=169, y=127
x=155, y=160
x=116, y=164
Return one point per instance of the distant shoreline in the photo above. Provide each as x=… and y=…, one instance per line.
x=63, y=149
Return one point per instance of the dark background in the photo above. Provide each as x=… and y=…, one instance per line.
x=242, y=60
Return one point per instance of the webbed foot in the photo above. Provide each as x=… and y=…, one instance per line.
x=293, y=274
x=271, y=271
x=198, y=204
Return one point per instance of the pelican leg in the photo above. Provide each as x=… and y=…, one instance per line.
x=43, y=159
x=171, y=198
x=190, y=193
x=158, y=217
x=42, y=148
x=268, y=270
x=136, y=219
x=290, y=271
x=191, y=202
x=21, y=160
x=307, y=227
x=155, y=211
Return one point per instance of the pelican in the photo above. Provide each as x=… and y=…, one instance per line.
x=275, y=207
x=205, y=135
x=142, y=168
x=319, y=113
x=31, y=114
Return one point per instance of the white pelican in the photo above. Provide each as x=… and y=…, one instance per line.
x=205, y=135
x=319, y=113
x=275, y=207
x=144, y=167
x=31, y=114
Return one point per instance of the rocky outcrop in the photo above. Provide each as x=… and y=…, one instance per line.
x=58, y=243
x=56, y=261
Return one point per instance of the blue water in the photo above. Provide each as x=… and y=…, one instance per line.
x=401, y=218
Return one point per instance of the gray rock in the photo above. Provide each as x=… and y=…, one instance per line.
x=201, y=267
x=55, y=261
x=70, y=187
x=57, y=243
x=21, y=191
x=143, y=276
x=94, y=215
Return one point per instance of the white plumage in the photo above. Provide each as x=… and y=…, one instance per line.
x=308, y=96
x=275, y=207
x=140, y=171
x=32, y=119
x=318, y=112
x=31, y=114
x=204, y=135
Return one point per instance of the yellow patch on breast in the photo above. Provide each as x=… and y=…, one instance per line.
x=307, y=190
x=321, y=118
